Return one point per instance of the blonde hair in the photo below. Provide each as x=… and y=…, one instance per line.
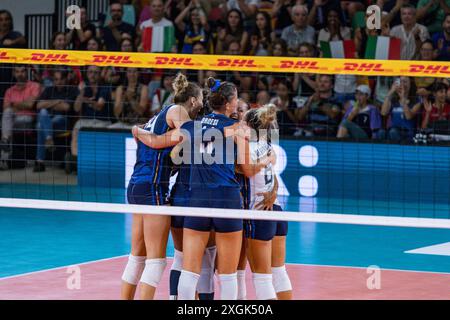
x=183, y=89
x=267, y=116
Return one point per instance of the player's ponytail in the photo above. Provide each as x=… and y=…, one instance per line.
x=221, y=93
x=183, y=89
x=267, y=116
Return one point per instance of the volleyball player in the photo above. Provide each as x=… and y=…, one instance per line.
x=149, y=185
x=266, y=240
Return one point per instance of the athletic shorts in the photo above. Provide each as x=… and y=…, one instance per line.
x=265, y=230
x=146, y=193
x=180, y=198
x=223, y=197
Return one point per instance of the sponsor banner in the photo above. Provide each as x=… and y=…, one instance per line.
x=229, y=63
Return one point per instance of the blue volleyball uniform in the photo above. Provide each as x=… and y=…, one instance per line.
x=211, y=173
x=149, y=182
x=265, y=230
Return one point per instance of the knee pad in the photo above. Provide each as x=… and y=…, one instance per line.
x=187, y=285
x=263, y=286
x=133, y=270
x=242, y=287
x=153, y=271
x=177, y=263
x=281, y=281
x=228, y=286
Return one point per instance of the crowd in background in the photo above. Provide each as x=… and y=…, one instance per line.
x=58, y=98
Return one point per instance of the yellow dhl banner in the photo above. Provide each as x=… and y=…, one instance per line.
x=229, y=63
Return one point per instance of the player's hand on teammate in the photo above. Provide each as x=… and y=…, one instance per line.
x=269, y=198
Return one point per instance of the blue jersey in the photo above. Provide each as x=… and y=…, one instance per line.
x=212, y=157
x=153, y=165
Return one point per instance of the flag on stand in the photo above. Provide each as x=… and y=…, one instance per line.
x=383, y=48
x=338, y=49
x=158, y=39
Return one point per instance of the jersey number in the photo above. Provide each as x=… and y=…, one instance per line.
x=206, y=147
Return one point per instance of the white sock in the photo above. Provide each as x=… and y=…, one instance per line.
x=242, y=287
x=177, y=263
x=187, y=285
x=228, y=286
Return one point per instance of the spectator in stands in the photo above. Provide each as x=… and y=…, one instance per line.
x=437, y=110
x=8, y=39
x=93, y=106
x=304, y=84
x=248, y=9
x=334, y=30
x=157, y=20
x=262, y=36
x=279, y=48
x=129, y=12
x=54, y=106
x=441, y=40
x=402, y=109
x=424, y=84
x=195, y=29
x=431, y=13
x=362, y=120
x=299, y=31
x=131, y=105
x=164, y=94
x=410, y=33
x=116, y=75
x=281, y=12
x=116, y=30
x=94, y=44
x=233, y=31
x=262, y=98
x=318, y=13
x=351, y=7
x=79, y=37
x=18, y=107
x=286, y=108
x=321, y=114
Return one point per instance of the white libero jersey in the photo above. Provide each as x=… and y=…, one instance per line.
x=264, y=180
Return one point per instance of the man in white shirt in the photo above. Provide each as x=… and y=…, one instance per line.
x=410, y=32
x=157, y=19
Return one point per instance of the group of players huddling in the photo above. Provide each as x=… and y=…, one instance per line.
x=188, y=130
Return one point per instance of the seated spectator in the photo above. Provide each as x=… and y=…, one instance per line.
x=18, y=107
x=401, y=107
x=279, y=48
x=262, y=35
x=410, y=33
x=247, y=8
x=116, y=75
x=54, y=106
x=157, y=20
x=131, y=105
x=424, y=84
x=94, y=44
x=362, y=120
x=319, y=11
x=304, y=84
x=432, y=13
x=321, y=114
x=299, y=31
x=437, y=111
x=196, y=29
x=233, y=31
x=116, y=29
x=351, y=7
x=92, y=104
x=262, y=98
x=164, y=94
x=281, y=12
x=285, y=107
x=8, y=39
x=129, y=13
x=79, y=37
x=334, y=30
x=441, y=40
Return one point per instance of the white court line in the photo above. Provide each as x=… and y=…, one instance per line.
x=441, y=249
x=227, y=213
x=295, y=264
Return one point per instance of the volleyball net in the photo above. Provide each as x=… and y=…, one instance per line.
x=66, y=139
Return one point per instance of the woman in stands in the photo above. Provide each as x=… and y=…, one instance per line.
x=266, y=240
x=149, y=185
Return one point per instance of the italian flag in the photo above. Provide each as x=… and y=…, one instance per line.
x=383, y=48
x=338, y=49
x=158, y=39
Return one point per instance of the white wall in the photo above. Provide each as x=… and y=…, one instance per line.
x=19, y=8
